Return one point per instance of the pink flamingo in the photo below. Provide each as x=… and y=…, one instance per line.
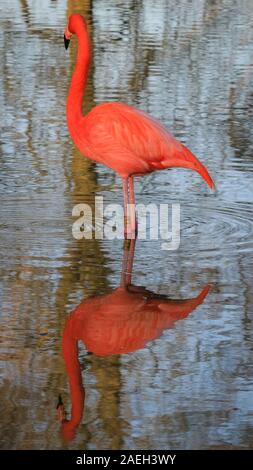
x=120, y=136
x=116, y=323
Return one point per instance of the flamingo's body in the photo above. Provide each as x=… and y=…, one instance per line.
x=120, y=136
x=125, y=320
x=132, y=143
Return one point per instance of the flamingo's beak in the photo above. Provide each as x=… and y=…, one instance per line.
x=66, y=42
x=67, y=37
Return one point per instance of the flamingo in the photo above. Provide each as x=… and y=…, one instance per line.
x=125, y=139
x=119, y=322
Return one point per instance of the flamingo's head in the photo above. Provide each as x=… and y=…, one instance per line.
x=76, y=22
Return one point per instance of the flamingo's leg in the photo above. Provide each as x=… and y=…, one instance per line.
x=125, y=184
x=130, y=261
x=127, y=263
x=133, y=218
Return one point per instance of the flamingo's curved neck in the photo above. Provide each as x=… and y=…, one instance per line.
x=79, y=78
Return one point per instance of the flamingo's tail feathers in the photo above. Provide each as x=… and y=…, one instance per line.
x=195, y=165
x=201, y=169
x=203, y=294
x=184, y=158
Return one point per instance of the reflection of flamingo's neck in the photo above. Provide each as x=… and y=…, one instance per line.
x=127, y=263
x=70, y=353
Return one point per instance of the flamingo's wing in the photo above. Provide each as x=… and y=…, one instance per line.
x=131, y=142
x=119, y=133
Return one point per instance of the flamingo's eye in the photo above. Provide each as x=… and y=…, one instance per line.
x=66, y=42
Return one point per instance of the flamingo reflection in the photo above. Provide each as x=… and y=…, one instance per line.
x=116, y=323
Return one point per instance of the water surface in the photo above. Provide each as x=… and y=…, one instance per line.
x=190, y=67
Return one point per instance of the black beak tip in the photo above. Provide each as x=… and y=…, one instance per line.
x=66, y=42
x=60, y=402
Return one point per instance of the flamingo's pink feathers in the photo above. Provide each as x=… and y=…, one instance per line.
x=121, y=137
x=131, y=142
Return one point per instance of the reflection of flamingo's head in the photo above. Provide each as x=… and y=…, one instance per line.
x=67, y=428
x=60, y=410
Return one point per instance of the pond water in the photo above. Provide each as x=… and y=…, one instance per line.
x=157, y=374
